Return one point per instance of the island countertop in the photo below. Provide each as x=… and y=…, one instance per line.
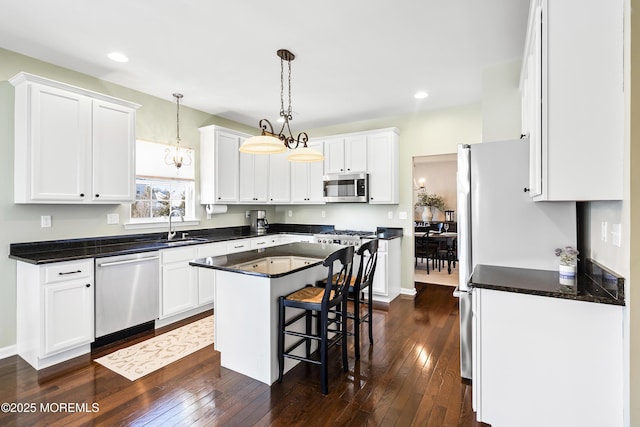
x=276, y=261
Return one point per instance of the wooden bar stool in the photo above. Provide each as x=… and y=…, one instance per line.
x=318, y=301
x=363, y=281
x=368, y=253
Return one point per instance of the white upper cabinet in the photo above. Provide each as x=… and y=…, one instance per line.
x=220, y=165
x=382, y=166
x=279, y=178
x=306, y=179
x=71, y=145
x=573, y=100
x=254, y=178
x=345, y=154
x=113, y=171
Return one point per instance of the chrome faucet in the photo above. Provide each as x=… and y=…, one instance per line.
x=171, y=234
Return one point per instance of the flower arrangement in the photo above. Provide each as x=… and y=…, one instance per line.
x=427, y=199
x=568, y=255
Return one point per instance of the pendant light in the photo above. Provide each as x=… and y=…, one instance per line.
x=268, y=142
x=178, y=157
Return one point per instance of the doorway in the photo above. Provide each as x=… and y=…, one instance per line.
x=436, y=176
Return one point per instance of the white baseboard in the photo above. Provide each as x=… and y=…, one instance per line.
x=410, y=292
x=11, y=350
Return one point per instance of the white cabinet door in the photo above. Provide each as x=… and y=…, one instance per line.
x=254, y=171
x=563, y=165
x=355, y=154
x=179, y=289
x=381, y=277
x=334, y=156
x=533, y=353
x=68, y=315
x=279, y=178
x=382, y=165
x=306, y=179
x=55, y=156
x=113, y=152
x=226, y=167
x=220, y=165
x=207, y=276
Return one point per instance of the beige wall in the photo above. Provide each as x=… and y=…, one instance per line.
x=440, y=175
x=501, y=102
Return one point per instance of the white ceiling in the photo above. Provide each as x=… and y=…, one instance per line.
x=355, y=59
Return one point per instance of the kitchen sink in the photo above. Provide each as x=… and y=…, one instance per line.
x=180, y=242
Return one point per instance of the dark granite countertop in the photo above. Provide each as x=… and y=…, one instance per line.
x=388, y=233
x=72, y=249
x=313, y=252
x=596, y=284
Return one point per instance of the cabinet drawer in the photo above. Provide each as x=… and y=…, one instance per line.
x=64, y=271
x=238, y=246
x=178, y=254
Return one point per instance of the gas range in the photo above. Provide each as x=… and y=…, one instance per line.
x=343, y=237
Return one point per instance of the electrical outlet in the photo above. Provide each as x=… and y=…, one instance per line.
x=45, y=221
x=390, y=214
x=289, y=213
x=247, y=214
x=113, y=218
x=603, y=231
x=402, y=215
x=323, y=214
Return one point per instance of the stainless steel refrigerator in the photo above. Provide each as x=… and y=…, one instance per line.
x=499, y=224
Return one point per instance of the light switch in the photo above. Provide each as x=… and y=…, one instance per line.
x=323, y=214
x=45, y=221
x=616, y=235
x=290, y=213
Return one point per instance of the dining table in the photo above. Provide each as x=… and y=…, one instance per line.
x=448, y=239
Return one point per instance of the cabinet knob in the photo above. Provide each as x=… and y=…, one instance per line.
x=88, y=285
x=97, y=195
x=526, y=190
x=81, y=194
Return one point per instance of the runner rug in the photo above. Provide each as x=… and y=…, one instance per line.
x=147, y=356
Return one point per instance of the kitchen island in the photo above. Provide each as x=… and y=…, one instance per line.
x=247, y=287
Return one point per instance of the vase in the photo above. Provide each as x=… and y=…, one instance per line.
x=567, y=274
x=426, y=214
x=435, y=214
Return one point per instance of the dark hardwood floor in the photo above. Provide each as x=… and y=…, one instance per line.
x=410, y=376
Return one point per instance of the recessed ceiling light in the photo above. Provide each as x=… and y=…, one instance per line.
x=420, y=95
x=118, y=57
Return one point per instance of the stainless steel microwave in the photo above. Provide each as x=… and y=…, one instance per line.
x=346, y=188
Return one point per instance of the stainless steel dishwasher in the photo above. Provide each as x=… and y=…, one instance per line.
x=127, y=291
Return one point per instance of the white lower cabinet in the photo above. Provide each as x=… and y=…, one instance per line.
x=207, y=276
x=542, y=361
x=179, y=281
x=54, y=311
x=386, y=279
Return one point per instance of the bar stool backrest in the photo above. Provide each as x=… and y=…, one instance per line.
x=368, y=253
x=338, y=283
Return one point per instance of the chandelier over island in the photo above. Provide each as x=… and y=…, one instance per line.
x=268, y=142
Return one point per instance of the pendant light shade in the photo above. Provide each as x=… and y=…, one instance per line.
x=262, y=144
x=305, y=154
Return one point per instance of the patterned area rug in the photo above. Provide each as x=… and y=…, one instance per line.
x=145, y=357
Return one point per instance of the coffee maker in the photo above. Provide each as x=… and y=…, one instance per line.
x=258, y=221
